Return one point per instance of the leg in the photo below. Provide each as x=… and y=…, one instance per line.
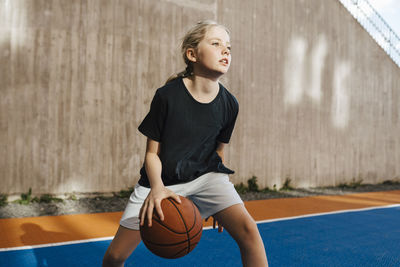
x=123, y=244
x=241, y=226
x=128, y=236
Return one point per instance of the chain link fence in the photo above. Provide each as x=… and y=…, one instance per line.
x=376, y=26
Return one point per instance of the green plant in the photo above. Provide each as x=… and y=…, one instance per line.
x=72, y=197
x=26, y=198
x=286, y=185
x=3, y=200
x=390, y=182
x=241, y=188
x=47, y=198
x=252, y=184
x=124, y=193
x=266, y=190
x=353, y=184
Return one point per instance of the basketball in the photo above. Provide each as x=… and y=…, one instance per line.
x=178, y=234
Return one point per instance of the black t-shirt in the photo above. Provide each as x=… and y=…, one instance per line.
x=188, y=132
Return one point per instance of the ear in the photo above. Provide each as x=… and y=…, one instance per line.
x=191, y=54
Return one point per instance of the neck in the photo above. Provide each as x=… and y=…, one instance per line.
x=203, y=85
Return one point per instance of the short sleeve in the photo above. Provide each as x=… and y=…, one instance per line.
x=226, y=132
x=153, y=124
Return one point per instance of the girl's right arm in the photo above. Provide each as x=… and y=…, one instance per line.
x=158, y=191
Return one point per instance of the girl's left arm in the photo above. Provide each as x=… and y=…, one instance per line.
x=220, y=150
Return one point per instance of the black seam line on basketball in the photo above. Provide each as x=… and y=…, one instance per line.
x=196, y=234
x=201, y=228
x=173, y=244
x=176, y=232
x=173, y=256
x=195, y=215
x=187, y=231
x=164, y=245
x=161, y=224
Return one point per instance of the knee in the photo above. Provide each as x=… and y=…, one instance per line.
x=111, y=258
x=248, y=233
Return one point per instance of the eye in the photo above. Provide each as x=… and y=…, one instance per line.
x=215, y=43
x=229, y=48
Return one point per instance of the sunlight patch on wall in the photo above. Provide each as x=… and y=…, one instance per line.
x=13, y=21
x=5, y=21
x=5, y=12
x=294, y=71
x=318, y=55
x=341, y=97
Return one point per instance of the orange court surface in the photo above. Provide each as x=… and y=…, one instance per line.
x=31, y=231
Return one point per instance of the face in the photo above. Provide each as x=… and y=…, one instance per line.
x=213, y=53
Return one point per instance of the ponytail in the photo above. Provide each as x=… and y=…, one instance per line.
x=183, y=74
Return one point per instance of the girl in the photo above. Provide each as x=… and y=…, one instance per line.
x=190, y=121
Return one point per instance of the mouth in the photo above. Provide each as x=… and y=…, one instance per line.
x=224, y=61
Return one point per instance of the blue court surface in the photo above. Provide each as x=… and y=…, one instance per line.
x=369, y=237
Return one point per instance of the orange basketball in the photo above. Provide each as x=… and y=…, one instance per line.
x=178, y=234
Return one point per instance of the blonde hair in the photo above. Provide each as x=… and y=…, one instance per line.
x=191, y=40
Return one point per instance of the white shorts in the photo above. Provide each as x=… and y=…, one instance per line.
x=211, y=193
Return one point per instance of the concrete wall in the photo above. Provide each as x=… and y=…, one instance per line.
x=319, y=99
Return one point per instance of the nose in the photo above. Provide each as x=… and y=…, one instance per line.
x=225, y=50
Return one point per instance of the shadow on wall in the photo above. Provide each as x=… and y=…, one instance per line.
x=299, y=83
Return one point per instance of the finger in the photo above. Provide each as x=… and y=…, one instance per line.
x=159, y=210
x=150, y=212
x=142, y=213
x=220, y=227
x=176, y=198
x=141, y=209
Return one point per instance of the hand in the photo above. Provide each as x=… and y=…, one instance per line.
x=215, y=223
x=153, y=201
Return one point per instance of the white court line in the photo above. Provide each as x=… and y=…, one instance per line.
x=327, y=213
x=205, y=228
x=58, y=244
